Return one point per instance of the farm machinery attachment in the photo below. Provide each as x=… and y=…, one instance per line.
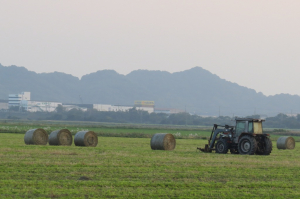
x=213, y=137
x=246, y=138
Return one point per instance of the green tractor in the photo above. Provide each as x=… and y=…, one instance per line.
x=246, y=138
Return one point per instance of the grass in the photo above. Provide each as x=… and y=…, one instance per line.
x=128, y=168
x=106, y=130
x=127, y=130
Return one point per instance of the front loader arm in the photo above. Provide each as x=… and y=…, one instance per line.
x=213, y=136
x=211, y=142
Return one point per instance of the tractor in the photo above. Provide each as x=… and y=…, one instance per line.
x=246, y=138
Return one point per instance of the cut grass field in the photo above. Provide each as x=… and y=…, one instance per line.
x=128, y=168
x=110, y=130
x=126, y=130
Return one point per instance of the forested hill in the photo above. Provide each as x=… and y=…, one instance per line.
x=196, y=90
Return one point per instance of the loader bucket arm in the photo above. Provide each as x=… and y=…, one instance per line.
x=208, y=147
x=214, y=133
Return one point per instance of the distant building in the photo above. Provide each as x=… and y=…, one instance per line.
x=24, y=103
x=15, y=99
x=36, y=106
x=106, y=107
x=102, y=107
x=141, y=103
x=83, y=107
x=144, y=105
x=148, y=109
x=168, y=110
x=68, y=107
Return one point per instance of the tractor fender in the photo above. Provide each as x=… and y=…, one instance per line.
x=242, y=134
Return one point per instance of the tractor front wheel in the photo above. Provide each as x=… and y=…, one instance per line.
x=222, y=146
x=247, y=145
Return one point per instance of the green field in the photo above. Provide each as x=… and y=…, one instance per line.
x=128, y=168
x=126, y=130
x=110, y=130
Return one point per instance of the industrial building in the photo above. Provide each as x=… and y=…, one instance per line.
x=15, y=99
x=23, y=101
x=106, y=107
x=168, y=110
x=68, y=107
x=36, y=106
x=141, y=103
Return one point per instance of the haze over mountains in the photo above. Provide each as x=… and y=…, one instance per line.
x=196, y=90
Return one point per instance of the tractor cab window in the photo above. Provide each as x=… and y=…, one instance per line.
x=250, y=127
x=240, y=127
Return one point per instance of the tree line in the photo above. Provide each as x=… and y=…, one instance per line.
x=143, y=117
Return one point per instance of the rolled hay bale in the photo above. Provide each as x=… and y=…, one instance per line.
x=286, y=142
x=61, y=137
x=163, y=141
x=36, y=137
x=86, y=138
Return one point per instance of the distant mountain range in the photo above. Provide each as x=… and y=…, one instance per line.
x=196, y=90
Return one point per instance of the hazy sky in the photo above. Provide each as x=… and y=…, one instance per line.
x=255, y=43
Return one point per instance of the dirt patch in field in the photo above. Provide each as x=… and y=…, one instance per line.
x=84, y=178
x=63, y=153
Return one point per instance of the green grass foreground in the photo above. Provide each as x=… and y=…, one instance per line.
x=128, y=168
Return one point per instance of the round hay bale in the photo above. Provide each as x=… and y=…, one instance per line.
x=61, y=137
x=86, y=138
x=286, y=142
x=163, y=141
x=36, y=137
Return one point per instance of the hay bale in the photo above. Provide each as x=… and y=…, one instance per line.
x=286, y=142
x=163, y=141
x=36, y=137
x=61, y=137
x=86, y=138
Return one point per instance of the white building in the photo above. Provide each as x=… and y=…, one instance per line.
x=168, y=110
x=15, y=99
x=106, y=107
x=35, y=106
x=149, y=109
x=70, y=107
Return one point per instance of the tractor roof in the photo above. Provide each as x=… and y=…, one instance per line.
x=249, y=119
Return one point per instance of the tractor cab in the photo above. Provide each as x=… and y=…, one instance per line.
x=248, y=126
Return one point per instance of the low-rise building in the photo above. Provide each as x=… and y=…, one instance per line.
x=107, y=107
x=38, y=106
x=168, y=110
x=15, y=99
x=68, y=107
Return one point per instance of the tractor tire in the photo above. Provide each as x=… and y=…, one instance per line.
x=247, y=145
x=222, y=146
x=264, y=148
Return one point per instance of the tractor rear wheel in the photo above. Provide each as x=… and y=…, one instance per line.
x=247, y=145
x=222, y=146
x=264, y=146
